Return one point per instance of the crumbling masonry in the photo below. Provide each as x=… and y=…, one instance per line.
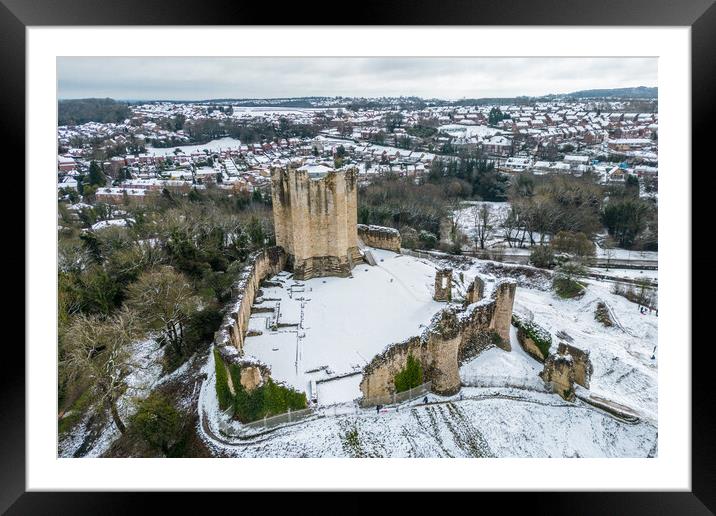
x=454, y=335
x=315, y=218
x=443, y=285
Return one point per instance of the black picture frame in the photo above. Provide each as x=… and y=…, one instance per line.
x=700, y=15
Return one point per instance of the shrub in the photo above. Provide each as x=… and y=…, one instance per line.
x=427, y=239
x=74, y=414
x=201, y=327
x=408, y=237
x=565, y=284
x=542, y=256
x=157, y=422
x=567, y=288
x=574, y=243
x=642, y=295
x=411, y=376
x=601, y=314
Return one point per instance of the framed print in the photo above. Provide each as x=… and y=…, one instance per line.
x=409, y=253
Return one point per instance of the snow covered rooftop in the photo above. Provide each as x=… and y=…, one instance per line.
x=315, y=170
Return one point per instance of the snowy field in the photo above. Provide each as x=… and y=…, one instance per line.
x=214, y=145
x=627, y=273
x=330, y=327
x=481, y=131
x=466, y=222
x=270, y=110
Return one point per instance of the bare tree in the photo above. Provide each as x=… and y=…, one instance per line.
x=99, y=352
x=608, y=246
x=164, y=300
x=483, y=220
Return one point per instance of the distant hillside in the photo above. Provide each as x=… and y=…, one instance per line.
x=80, y=111
x=640, y=92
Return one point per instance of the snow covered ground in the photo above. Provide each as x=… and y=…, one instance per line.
x=113, y=222
x=496, y=367
x=329, y=327
x=486, y=423
x=499, y=212
x=502, y=409
x=213, y=145
x=468, y=131
x=91, y=440
x=621, y=355
x=627, y=273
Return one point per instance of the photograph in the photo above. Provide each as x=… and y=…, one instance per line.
x=357, y=257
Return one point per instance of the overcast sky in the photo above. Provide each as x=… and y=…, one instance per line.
x=195, y=78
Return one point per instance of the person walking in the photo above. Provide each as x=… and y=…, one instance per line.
x=425, y=400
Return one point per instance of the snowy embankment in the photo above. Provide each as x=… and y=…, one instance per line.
x=486, y=423
x=624, y=370
x=94, y=434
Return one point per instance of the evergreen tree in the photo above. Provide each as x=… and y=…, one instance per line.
x=96, y=176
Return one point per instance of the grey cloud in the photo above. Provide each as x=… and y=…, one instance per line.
x=450, y=78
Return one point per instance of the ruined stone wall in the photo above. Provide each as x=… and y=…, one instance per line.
x=568, y=366
x=315, y=220
x=455, y=334
x=583, y=368
x=534, y=339
x=253, y=372
x=559, y=374
x=504, y=296
x=475, y=291
x=380, y=237
x=229, y=340
x=261, y=265
x=529, y=345
x=443, y=285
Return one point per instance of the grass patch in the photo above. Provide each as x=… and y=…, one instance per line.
x=567, y=288
x=269, y=399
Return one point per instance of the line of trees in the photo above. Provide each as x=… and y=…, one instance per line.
x=81, y=111
x=165, y=277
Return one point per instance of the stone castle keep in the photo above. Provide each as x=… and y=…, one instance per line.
x=315, y=219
